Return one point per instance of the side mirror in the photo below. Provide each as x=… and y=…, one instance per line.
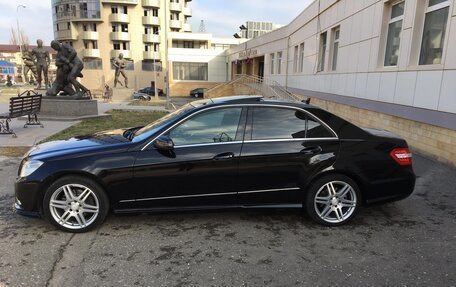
x=164, y=143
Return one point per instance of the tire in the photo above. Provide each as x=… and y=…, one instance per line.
x=333, y=200
x=78, y=204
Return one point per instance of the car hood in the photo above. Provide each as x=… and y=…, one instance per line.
x=79, y=143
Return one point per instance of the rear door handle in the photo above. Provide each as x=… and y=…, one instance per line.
x=311, y=150
x=224, y=156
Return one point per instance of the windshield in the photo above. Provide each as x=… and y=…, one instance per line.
x=152, y=128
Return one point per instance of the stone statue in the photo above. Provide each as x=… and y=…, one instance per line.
x=29, y=64
x=69, y=68
x=120, y=63
x=42, y=63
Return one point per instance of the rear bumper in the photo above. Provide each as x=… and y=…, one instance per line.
x=390, y=190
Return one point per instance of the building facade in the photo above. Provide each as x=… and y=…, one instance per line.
x=382, y=64
x=253, y=29
x=197, y=60
x=100, y=30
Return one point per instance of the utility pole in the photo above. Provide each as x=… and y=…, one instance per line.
x=20, y=39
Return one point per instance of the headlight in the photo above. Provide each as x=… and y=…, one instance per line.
x=29, y=167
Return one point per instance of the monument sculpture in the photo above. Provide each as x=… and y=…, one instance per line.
x=42, y=63
x=29, y=64
x=120, y=64
x=69, y=68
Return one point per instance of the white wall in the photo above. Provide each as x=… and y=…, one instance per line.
x=360, y=72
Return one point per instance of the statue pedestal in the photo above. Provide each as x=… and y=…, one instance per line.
x=122, y=94
x=53, y=108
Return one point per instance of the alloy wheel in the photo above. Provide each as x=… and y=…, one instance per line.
x=335, y=201
x=74, y=206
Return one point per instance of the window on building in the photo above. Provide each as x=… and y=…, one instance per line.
x=115, y=28
x=125, y=46
x=114, y=9
x=322, y=57
x=185, y=71
x=68, y=26
x=116, y=45
x=93, y=64
x=271, y=57
x=296, y=59
x=394, y=34
x=301, y=58
x=94, y=27
x=124, y=10
x=279, y=63
x=435, y=23
x=148, y=65
x=174, y=16
x=124, y=27
x=335, y=47
x=188, y=44
x=155, y=12
x=84, y=27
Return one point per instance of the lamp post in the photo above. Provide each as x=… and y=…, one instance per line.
x=166, y=56
x=155, y=71
x=20, y=38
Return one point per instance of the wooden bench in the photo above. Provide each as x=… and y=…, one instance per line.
x=27, y=104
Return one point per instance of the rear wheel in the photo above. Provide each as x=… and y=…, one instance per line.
x=75, y=204
x=333, y=200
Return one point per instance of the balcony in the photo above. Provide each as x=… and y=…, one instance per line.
x=151, y=3
x=89, y=35
x=125, y=53
x=91, y=53
x=175, y=24
x=151, y=38
x=151, y=20
x=187, y=27
x=119, y=36
x=151, y=55
x=65, y=35
x=119, y=18
x=127, y=2
x=187, y=11
x=175, y=7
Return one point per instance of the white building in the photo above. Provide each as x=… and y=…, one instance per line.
x=197, y=60
x=384, y=64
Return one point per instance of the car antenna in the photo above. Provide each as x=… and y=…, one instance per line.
x=307, y=101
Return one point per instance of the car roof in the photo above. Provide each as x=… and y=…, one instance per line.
x=251, y=99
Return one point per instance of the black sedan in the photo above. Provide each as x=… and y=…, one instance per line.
x=231, y=152
x=151, y=91
x=197, y=93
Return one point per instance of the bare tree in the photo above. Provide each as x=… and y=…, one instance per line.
x=21, y=39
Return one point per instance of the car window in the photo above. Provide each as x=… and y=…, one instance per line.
x=282, y=123
x=317, y=130
x=208, y=127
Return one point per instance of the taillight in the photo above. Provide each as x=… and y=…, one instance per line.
x=402, y=156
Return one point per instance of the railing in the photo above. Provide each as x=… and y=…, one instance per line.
x=266, y=87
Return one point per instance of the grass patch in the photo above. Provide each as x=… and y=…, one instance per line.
x=119, y=119
x=151, y=103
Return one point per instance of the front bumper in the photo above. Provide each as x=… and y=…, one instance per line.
x=28, y=197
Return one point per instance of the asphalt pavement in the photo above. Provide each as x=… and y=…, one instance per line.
x=407, y=243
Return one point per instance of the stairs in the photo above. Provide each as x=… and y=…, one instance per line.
x=252, y=85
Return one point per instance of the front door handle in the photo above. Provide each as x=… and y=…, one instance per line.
x=224, y=156
x=311, y=150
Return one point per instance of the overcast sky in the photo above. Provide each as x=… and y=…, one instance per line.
x=221, y=17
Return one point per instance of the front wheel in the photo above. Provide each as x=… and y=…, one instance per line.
x=75, y=204
x=333, y=200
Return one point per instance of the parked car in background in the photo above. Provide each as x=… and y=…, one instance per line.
x=151, y=91
x=198, y=93
x=141, y=96
x=233, y=152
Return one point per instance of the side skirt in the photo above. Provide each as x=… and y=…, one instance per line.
x=210, y=207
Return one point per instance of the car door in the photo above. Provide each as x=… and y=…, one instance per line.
x=283, y=146
x=201, y=169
